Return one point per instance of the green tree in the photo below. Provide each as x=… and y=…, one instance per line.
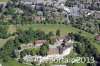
x=44, y=49
x=58, y=32
x=42, y=64
x=52, y=40
x=47, y=64
x=34, y=63
x=33, y=52
x=21, y=60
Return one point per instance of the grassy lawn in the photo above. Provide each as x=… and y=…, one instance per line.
x=48, y=27
x=97, y=46
x=12, y=29
x=13, y=63
x=4, y=0
x=3, y=41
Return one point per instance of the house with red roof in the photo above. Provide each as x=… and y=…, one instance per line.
x=39, y=42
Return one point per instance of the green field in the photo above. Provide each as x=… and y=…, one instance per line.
x=49, y=27
x=3, y=41
x=11, y=29
x=4, y=0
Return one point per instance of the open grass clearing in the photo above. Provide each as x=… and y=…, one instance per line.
x=4, y=0
x=12, y=29
x=3, y=41
x=64, y=29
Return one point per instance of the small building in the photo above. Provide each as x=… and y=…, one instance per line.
x=49, y=2
x=39, y=18
x=44, y=2
x=26, y=1
x=96, y=14
x=32, y=7
x=98, y=38
x=67, y=41
x=39, y=13
x=39, y=42
x=75, y=11
x=7, y=17
x=18, y=10
x=53, y=51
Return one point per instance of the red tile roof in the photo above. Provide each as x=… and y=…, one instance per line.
x=40, y=41
x=53, y=51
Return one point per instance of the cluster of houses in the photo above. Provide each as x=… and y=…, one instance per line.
x=51, y=8
x=54, y=9
x=44, y=2
x=55, y=51
x=88, y=24
x=93, y=13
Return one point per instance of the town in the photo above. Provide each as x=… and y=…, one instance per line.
x=35, y=32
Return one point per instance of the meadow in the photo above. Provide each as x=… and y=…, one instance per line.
x=64, y=29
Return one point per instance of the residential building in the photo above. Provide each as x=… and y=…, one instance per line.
x=75, y=11
x=39, y=42
x=96, y=14
x=18, y=10
x=53, y=51
x=45, y=2
x=39, y=18
x=67, y=41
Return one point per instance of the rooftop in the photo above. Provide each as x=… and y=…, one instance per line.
x=53, y=51
x=40, y=41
